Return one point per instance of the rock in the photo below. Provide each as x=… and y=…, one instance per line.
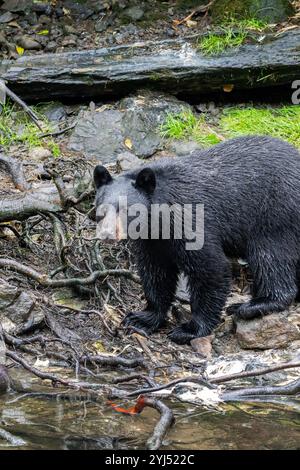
x=69, y=29
x=17, y=309
x=6, y=17
x=277, y=330
x=98, y=135
x=267, y=10
x=68, y=41
x=134, y=13
x=102, y=24
x=133, y=126
x=50, y=46
x=128, y=161
x=42, y=7
x=183, y=147
x=28, y=44
x=44, y=19
x=203, y=346
x=16, y=5
x=39, y=154
x=144, y=113
x=54, y=111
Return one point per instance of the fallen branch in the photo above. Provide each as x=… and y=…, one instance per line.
x=163, y=425
x=113, y=361
x=254, y=373
x=198, y=380
x=45, y=281
x=292, y=388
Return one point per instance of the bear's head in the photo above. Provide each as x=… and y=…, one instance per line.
x=119, y=199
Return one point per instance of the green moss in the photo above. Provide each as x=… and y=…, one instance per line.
x=215, y=44
x=282, y=122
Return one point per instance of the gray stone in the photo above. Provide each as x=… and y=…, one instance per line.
x=54, y=111
x=39, y=154
x=69, y=41
x=144, y=113
x=102, y=24
x=134, y=126
x=134, y=13
x=6, y=17
x=277, y=330
x=16, y=5
x=98, y=135
x=50, y=46
x=183, y=147
x=17, y=308
x=128, y=161
x=27, y=43
x=272, y=11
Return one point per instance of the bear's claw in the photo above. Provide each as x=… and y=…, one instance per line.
x=181, y=334
x=146, y=321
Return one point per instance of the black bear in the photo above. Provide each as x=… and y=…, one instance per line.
x=249, y=188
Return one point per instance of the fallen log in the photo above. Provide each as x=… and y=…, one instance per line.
x=175, y=65
x=19, y=206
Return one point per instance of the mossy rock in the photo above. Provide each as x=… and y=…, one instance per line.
x=272, y=11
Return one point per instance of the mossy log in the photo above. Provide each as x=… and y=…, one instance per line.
x=176, y=66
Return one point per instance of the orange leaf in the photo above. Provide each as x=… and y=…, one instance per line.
x=228, y=88
x=133, y=410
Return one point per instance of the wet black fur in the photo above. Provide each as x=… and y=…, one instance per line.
x=250, y=188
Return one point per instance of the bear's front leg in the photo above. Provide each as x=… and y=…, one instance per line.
x=159, y=282
x=209, y=288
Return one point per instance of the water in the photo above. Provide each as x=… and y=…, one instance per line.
x=59, y=424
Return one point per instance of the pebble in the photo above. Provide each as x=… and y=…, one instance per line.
x=28, y=43
x=39, y=153
x=6, y=17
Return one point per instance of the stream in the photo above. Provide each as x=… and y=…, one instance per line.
x=39, y=423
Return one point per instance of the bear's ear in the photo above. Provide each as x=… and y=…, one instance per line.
x=101, y=176
x=146, y=180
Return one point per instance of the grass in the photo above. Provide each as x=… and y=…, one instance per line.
x=282, y=122
x=215, y=44
x=17, y=128
x=233, y=33
x=186, y=125
x=245, y=24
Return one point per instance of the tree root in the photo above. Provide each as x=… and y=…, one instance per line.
x=45, y=281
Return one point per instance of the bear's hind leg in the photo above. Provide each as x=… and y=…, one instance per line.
x=275, y=284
